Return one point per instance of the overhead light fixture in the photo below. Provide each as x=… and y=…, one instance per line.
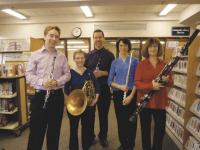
x=14, y=13
x=75, y=42
x=167, y=9
x=87, y=11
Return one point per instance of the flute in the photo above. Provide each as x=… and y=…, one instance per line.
x=48, y=91
x=127, y=76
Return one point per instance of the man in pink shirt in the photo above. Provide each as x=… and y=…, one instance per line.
x=47, y=71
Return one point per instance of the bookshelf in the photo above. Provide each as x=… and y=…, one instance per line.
x=183, y=113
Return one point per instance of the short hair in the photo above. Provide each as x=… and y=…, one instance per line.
x=150, y=42
x=125, y=41
x=48, y=28
x=98, y=30
x=79, y=51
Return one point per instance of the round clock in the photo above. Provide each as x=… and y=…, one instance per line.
x=76, y=32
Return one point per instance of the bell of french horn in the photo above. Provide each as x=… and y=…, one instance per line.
x=76, y=102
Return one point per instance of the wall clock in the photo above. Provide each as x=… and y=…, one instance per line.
x=76, y=32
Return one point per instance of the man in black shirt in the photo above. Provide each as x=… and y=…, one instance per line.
x=99, y=61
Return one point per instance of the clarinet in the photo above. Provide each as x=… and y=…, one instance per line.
x=166, y=70
x=127, y=76
x=49, y=91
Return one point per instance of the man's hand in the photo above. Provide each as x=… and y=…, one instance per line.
x=50, y=84
x=97, y=73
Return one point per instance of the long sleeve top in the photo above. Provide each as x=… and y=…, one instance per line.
x=102, y=59
x=40, y=66
x=77, y=81
x=144, y=75
x=119, y=69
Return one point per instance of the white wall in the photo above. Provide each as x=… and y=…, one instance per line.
x=153, y=28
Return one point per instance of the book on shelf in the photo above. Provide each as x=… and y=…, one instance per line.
x=175, y=128
x=178, y=96
x=193, y=126
x=192, y=144
x=12, y=70
x=195, y=107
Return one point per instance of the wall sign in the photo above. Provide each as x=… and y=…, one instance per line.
x=180, y=31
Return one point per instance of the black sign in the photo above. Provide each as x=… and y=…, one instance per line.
x=180, y=31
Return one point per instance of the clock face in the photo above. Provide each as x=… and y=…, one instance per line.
x=76, y=32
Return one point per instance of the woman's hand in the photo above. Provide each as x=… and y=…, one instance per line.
x=123, y=88
x=127, y=100
x=156, y=85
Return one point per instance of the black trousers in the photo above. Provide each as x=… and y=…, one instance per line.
x=159, y=116
x=126, y=129
x=86, y=134
x=46, y=120
x=103, y=106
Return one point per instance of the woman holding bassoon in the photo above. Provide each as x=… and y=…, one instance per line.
x=147, y=70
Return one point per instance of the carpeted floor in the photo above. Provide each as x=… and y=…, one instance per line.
x=9, y=142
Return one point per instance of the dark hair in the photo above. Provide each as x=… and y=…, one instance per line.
x=98, y=30
x=79, y=51
x=125, y=41
x=150, y=42
x=48, y=28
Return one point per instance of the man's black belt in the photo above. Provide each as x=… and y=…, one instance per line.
x=45, y=91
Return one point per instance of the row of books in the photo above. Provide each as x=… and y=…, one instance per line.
x=6, y=88
x=193, y=126
x=12, y=70
x=14, y=45
x=180, y=80
x=178, y=96
x=6, y=105
x=181, y=66
x=3, y=120
x=195, y=108
x=192, y=144
x=175, y=127
x=176, y=109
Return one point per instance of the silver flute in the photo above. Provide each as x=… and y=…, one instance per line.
x=127, y=76
x=49, y=91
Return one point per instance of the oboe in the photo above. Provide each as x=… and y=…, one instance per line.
x=127, y=76
x=49, y=91
x=166, y=70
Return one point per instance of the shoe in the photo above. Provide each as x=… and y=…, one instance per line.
x=120, y=148
x=104, y=142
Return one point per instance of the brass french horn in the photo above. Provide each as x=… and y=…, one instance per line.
x=79, y=99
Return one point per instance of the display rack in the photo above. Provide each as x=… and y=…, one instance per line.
x=13, y=104
x=13, y=97
x=183, y=113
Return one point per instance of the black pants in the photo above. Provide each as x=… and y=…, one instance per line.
x=159, y=116
x=49, y=119
x=86, y=134
x=126, y=129
x=103, y=106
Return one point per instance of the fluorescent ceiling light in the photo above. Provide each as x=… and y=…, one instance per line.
x=87, y=11
x=167, y=9
x=74, y=49
x=14, y=13
x=76, y=46
x=75, y=42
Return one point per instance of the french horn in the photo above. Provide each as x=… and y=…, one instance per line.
x=79, y=99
